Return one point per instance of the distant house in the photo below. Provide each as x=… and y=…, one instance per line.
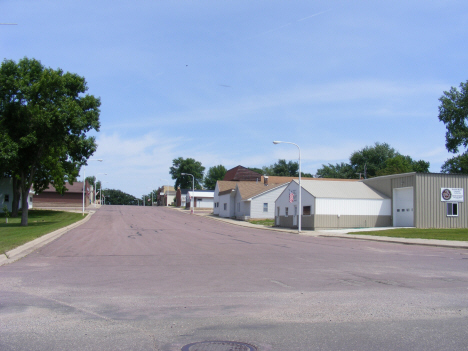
x=241, y=173
x=249, y=200
x=181, y=197
x=202, y=199
x=6, y=195
x=246, y=194
x=166, y=195
x=73, y=197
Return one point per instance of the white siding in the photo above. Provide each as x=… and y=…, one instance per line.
x=283, y=200
x=216, y=200
x=256, y=205
x=6, y=188
x=353, y=207
x=229, y=201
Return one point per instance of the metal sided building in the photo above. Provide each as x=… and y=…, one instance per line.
x=425, y=200
x=328, y=203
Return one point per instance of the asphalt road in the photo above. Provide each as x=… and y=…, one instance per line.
x=152, y=278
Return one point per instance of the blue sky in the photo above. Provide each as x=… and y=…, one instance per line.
x=218, y=81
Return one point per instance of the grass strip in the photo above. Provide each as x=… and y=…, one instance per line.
x=40, y=222
x=267, y=222
x=454, y=234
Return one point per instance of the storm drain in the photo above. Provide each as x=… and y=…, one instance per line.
x=219, y=346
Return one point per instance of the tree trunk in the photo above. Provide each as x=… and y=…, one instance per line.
x=24, y=207
x=16, y=197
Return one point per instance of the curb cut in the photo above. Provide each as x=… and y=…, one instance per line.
x=25, y=249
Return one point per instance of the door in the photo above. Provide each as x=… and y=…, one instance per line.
x=277, y=216
x=295, y=216
x=403, y=211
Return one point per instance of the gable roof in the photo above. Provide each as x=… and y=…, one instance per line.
x=77, y=187
x=241, y=173
x=225, y=186
x=340, y=190
x=249, y=190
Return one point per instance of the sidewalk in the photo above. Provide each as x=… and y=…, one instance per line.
x=339, y=233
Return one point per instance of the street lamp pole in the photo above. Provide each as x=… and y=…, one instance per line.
x=95, y=189
x=300, y=188
x=84, y=181
x=193, y=191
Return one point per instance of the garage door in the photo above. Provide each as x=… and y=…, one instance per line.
x=403, y=211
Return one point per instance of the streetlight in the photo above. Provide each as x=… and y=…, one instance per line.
x=193, y=191
x=300, y=189
x=100, y=193
x=95, y=189
x=84, y=181
x=152, y=190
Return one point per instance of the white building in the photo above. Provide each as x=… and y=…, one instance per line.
x=328, y=203
x=247, y=200
x=6, y=195
x=201, y=199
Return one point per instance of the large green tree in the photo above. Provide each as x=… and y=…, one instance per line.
x=370, y=159
x=340, y=170
x=214, y=174
x=403, y=164
x=44, y=117
x=282, y=168
x=118, y=197
x=188, y=166
x=453, y=112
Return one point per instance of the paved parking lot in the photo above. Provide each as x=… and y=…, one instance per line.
x=145, y=278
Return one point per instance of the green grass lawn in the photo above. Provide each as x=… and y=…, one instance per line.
x=457, y=234
x=40, y=222
x=268, y=222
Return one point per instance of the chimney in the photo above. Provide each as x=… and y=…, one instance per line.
x=265, y=180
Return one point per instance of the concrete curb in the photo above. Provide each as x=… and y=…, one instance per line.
x=24, y=250
x=346, y=234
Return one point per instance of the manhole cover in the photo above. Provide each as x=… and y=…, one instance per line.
x=219, y=346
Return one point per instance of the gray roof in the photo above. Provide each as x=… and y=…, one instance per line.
x=340, y=190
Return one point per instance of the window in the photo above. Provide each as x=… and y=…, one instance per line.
x=225, y=207
x=238, y=207
x=265, y=207
x=286, y=211
x=452, y=209
x=7, y=198
x=306, y=211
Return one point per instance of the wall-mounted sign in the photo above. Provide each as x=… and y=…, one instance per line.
x=451, y=194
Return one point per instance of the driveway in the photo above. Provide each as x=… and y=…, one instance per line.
x=150, y=278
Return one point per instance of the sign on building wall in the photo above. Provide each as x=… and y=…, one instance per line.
x=451, y=194
x=292, y=196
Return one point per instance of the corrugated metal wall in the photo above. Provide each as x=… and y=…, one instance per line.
x=333, y=221
x=430, y=211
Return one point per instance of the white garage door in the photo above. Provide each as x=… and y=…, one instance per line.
x=403, y=211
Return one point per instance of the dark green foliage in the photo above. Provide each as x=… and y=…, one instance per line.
x=456, y=165
x=44, y=118
x=403, y=164
x=189, y=166
x=118, y=197
x=282, y=168
x=340, y=170
x=453, y=112
x=213, y=175
x=371, y=161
